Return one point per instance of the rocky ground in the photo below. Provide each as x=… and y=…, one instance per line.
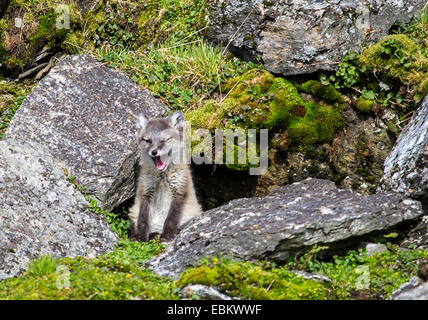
x=341, y=212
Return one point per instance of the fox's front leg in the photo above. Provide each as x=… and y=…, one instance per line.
x=143, y=223
x=173, y=219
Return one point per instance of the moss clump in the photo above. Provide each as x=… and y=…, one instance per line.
x=205, y=117
x=328, y=121
x=396, y=57
x=246, y=106
x=74, y=42
x=381, y=56
x=327, y=92
x=364, y=105
x=116, y=275
x=424, y=88
x=258, y=100
x=286, y=104
x=392, y=127
x=248, y=149
x=251, y=281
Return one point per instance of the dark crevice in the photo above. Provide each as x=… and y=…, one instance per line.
x=216, y=184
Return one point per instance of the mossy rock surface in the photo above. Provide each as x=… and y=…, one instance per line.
x=327, y=92
x=397, y=58
x=248, y=280
x=258, y=100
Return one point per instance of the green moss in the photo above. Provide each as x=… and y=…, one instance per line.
x=396, y=57
x=74, y=42
x=119, y=275
x=383, y=272
x=423, y=90
x=392, y=127
x=374, y=57
x=205, y=117
x=116, y=275
x=257, y=99
x=327, y=92
x=285, y=97
x=328, y=121
x=304, y=134
x=364, y=105
x=251, y=281
x=12, y=94
x=46, y=26
x=245, y=163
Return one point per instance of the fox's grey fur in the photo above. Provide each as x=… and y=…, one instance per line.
x=165, y=198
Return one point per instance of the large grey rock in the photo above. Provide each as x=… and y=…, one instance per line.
x=289, y=220
x=415, y=289
x=405, y=287
x=85, y=113
x=406, y=167
x=40, y=213
x=375, y=248
x=304, y=36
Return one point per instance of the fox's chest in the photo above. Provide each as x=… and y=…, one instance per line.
x=159, y=208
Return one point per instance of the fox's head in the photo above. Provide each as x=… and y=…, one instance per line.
x=160, y=139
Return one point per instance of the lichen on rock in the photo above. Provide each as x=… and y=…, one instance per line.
x=90, y=125
x=289, y=220
x=40, y=212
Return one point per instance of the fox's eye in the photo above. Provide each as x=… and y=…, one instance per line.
x=147, y=140
x=166, y=139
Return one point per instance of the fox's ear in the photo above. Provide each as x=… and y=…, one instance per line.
x=177, y=119
x=141, y=121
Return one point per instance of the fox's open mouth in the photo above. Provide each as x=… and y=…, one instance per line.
x=160, y=165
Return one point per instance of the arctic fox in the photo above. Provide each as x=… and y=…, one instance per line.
x=165, y=197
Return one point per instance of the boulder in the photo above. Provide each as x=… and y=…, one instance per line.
x=405, y=287
x=85, y=113
x=291, y=219
x=40, y=213
x=406, y=167
x=297, y=37
x=415, y=289
x=373, y=249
